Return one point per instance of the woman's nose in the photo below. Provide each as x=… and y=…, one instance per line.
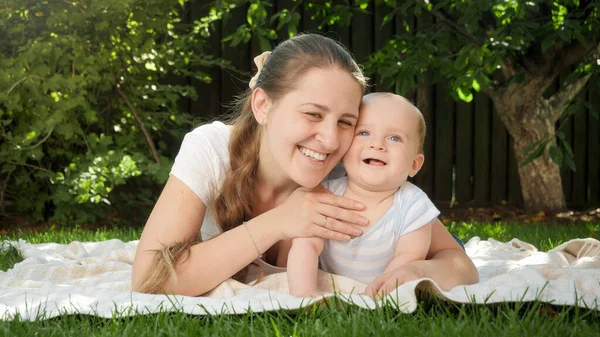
x=328, y=136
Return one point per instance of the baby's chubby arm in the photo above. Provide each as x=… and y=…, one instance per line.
x=302, y=266
x=411, y=247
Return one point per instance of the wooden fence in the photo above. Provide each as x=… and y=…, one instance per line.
x=469, y=153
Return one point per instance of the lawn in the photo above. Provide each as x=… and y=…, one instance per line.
x=432, y=318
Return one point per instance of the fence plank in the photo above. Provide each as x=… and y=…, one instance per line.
x=361, y=36
x=402, y=24
x=444, y=144
x=464, y=152
x=426, y=103
x=499, y=167
x=580, y=136
x=483, y=125
x=383, y=33
x=310, y=23
x=593, y=169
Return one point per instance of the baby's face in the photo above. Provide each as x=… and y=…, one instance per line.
x=384, y=151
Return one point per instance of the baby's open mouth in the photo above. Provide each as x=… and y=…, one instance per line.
x=372, y=161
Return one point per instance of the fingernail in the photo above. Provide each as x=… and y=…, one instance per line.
x=357, y=232
x=363, y=220
x=359, y=205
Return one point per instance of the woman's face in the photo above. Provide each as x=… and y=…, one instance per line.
x=309, y=130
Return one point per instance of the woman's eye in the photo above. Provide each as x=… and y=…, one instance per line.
x=313, y=115
x=395, y=139
x=346, y=123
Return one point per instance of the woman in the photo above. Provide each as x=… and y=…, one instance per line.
x=249, y=188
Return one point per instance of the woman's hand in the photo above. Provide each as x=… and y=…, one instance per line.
x=388, y=282
x=319, y=213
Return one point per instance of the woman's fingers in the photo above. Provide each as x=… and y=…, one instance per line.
x=340, y=214
x=331, y=235
x=336, y=226
x=339, y=201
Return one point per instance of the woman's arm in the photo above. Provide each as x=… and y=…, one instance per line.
x=444, y=249
x=447, y=264
x=177, y=217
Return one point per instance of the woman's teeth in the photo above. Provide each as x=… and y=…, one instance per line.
x=312, y=154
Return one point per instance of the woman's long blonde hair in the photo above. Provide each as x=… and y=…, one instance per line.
x=279, y=75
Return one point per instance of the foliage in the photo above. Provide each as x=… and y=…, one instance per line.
x=466, y=43
x=85, y=96
x=488, y=45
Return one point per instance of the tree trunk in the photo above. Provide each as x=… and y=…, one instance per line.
x=541, y=183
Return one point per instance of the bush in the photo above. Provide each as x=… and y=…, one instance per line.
x=84, y=100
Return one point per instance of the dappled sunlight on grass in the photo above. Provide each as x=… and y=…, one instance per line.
x=543, y=236
x=67, y=235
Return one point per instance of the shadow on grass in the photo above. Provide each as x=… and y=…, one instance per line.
x=9, y=255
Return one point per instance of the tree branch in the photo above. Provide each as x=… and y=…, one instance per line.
x=557, y=102
x=453, y=25
x=29, y=165
x=40, y=142
x=141, y=124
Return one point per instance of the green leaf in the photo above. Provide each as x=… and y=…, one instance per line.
x=476, y=85
x=568, y=148
x=538, y=152
x=548, y=42
x=564, y=34
x=150, y=66
x=570, y=163
x=530, y=147
x=461, y=61
x=264, y=43
x=468, y=97
x=556, y=154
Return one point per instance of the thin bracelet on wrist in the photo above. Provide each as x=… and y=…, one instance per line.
x=253, y=242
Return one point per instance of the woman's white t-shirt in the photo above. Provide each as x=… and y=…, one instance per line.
x=202, y=164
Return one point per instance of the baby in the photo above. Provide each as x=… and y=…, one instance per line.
x=386, y=150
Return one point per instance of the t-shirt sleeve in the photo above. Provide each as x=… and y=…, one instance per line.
x=417, y=209
x=336, y=186
x=203, y=160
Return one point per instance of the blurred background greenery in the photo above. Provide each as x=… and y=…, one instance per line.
x=96, y=95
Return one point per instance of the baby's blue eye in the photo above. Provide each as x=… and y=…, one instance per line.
x=362, y=133
x=395, y=139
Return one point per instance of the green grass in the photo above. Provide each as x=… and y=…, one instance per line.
x=432, y=318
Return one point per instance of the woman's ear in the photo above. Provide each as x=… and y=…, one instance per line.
x=261, y=105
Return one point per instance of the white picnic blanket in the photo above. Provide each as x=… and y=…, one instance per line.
x=94, y=278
